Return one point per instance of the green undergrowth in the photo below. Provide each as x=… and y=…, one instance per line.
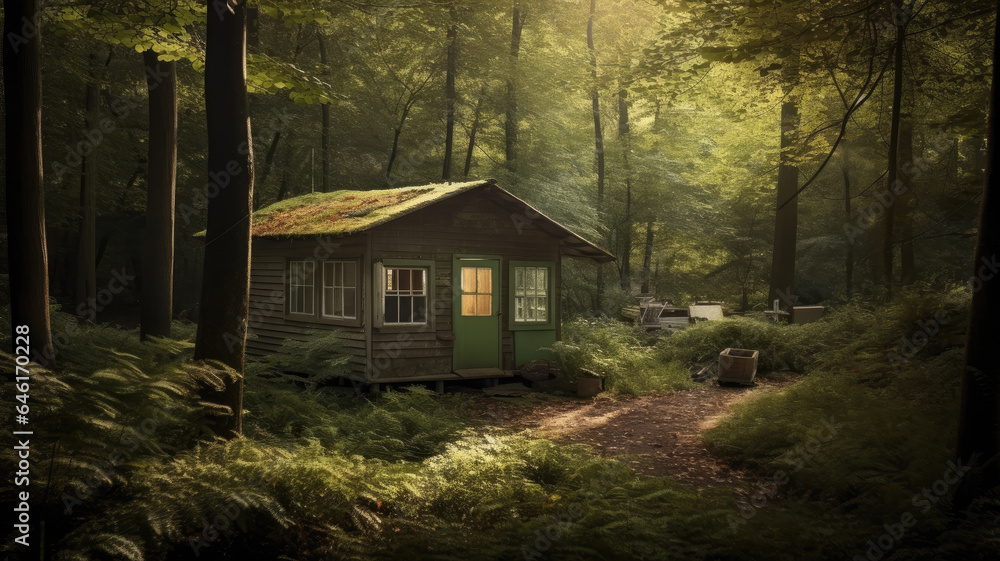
x=410, y=474
x=863, y=435
x=398, y=425
x=782, y=347
x=618, y=353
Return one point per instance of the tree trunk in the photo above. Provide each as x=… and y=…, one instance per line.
x=27, y=255
x=286, y=163
x=626, y=234
x=161, y=182
x=888, y=235
x=392, y=152
x=979, y=417
x=225, y=292
x=449, y=93
x=906, y=202
x=86, y=251
x=598, y=139
x=849, y=258
x=472, y=133
x=325, y=118
x=596, y=103
x=647, y=258
x=511, y=122
x=782, y=286
x=272, y=149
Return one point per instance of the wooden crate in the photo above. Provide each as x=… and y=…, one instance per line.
x=807, y=314
x=588, y=387
x=738, y=365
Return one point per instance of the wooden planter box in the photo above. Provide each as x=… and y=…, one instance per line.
x=738, y=365
x=588, y=387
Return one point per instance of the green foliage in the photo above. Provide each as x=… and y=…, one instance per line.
x=614, y=351
x=401, y=425
x=862, y=432
x=85, y=348
x=788, y=347
x=95, y=428
x=321, y=356
x=296, y=501
x=320, y=475
x=511, y=497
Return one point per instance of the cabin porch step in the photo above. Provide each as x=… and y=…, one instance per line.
x=483, y=373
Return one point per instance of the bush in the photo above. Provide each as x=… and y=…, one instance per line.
x=894, y=419
x=321, y=356
x=402, y=425
x=614, y=351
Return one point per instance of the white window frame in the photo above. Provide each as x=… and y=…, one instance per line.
x=293, y=287
x=521, y=296
x=381, y=291
x=324, y=286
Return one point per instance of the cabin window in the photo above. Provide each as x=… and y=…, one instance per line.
x=531, y=291
x=405, y=295
x=531, y=294
x=301, y=287
x=340, y=289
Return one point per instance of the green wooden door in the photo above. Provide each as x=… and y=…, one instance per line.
x=477, y=313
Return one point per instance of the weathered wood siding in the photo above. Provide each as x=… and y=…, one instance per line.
x=464, y=224
x=269, y=324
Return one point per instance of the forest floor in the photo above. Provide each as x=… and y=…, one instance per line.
x=658, y=435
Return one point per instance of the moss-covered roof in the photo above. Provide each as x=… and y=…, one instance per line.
x=341, y=213
x=345, y=212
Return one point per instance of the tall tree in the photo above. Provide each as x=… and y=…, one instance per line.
x=161, y=179
x=624, y=135
x=979, y=417
x=888, y=233
x=595, y=98
x=647, y=257
x=27, y=256
x=906, y=202
x=449, y=91
x=86, y=255
x=225, y=291
x=845, y=170
x=786, y=217
x=511, y=124
x=477, y=114
x=325, y=115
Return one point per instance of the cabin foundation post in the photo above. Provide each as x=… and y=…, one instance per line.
x=439, y=386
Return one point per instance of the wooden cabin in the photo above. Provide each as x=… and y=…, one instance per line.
x=438, y=282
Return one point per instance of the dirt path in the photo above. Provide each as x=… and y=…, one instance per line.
x=655, y=435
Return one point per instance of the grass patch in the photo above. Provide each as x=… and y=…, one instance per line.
x=619, y=354
x=894, y=427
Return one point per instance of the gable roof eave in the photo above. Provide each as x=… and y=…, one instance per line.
x=570, y=243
